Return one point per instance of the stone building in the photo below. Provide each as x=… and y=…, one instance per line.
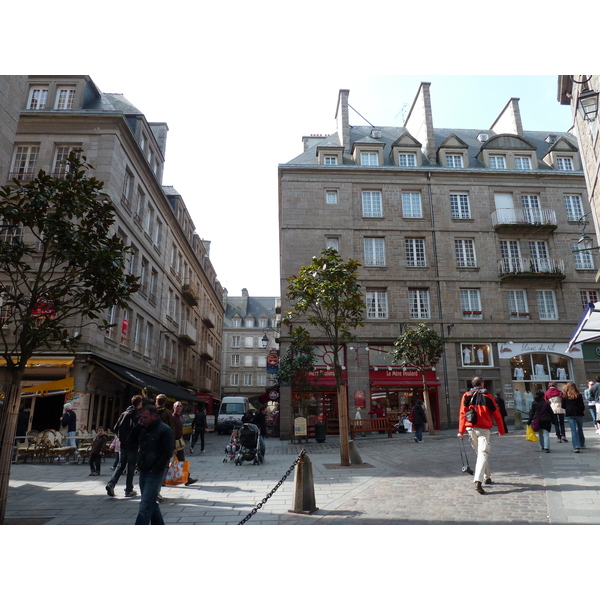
x=169, y=340
x=468, y=230
x=250, y=333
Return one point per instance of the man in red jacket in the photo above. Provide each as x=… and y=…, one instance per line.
x=485, y=409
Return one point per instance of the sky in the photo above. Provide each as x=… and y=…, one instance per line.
x=240, y=84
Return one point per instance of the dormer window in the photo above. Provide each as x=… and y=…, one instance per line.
x=37, y=98
x=564, y=163
x=65, y=97
x=330, y=160
x=407, y=159
x=369, y=159
x=454, y=161
x=497, y=162
x=523, y=163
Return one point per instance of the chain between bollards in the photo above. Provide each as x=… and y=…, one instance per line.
x=266, y=498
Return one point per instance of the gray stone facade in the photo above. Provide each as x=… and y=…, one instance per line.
x=172, y=330
x=470, y=231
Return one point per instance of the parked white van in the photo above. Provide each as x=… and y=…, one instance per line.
x=231, y=411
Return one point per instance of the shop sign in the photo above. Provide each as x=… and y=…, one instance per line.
x=399, y=377
x=506, y=350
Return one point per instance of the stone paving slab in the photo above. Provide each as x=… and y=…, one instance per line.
x=404, y=483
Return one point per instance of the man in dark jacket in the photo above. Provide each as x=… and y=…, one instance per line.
x=156, y=441
x=199, y=427
x=260, y=420
x=69, y=420
x=127, y=422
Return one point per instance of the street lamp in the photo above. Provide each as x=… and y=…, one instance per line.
x=588, y=105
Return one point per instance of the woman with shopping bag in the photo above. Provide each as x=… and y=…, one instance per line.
x=541, y=419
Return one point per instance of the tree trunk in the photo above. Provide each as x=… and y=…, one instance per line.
x=8, y=426
x=342, y=395
x=427, y=404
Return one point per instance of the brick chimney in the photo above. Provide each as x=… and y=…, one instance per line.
x=419, y=121
x=342, y=121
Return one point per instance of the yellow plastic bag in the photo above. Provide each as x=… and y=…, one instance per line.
x=178, y=472
x=530, y=434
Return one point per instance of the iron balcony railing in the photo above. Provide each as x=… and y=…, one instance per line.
x=524, y=216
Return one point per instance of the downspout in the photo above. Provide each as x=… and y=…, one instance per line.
x=439, y=295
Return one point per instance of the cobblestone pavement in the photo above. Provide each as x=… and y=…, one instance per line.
x=401, y=482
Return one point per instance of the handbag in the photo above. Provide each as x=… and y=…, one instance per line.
x=471, y=416
x=178, y=473
x=530, y=435
x=179, y=444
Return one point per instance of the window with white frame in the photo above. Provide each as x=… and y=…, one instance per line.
x=236, y=322
x=248, y=362
x=583, y=258
x=24, y=162
x=235, y=360
x=234, y=379
x=564, y=163
x=249, y=342
x=371, y=204
x=331, y=197
x=330, y=160
x=531, y=208
x=263, y=323
x=407, y=160
x=261, y=380
x=111, y=317
x=547, y=304
x=377, y=304
x=148, y=339
x=369, y=159
x=459, y=206
x=517, y=304
x=235, y=341
x=261, y=361
x=128, y=183
x=64, y=98
x=470, y=303
x=574, y=207
x=150, y=218
x=415, y=252
x=60, y=159
x=145, y=268
x=250, y=322
x=511, y=256
x=454, y=161
x=137, y=334
x=522, y=163
x=464, y=251
x=411, y=205
x=497, y=162
x=588, y=296
x=374, y=252
x=248, y=379
x=333, y=242
x=539, y=256
x=38, y=97
x=418, y=302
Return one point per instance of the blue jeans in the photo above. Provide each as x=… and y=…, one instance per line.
x=577, y=437
x=149, y=511
x=419, y=433
x=544, y=438
x=559, y=426
x=261, y=445
x=127, y=460
x=592, y=409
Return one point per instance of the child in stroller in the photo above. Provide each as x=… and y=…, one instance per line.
x=249, y=449
x=233, y=446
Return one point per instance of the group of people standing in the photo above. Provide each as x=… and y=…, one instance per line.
x=149, y=435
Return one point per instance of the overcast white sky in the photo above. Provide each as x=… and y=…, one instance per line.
x=240, y=84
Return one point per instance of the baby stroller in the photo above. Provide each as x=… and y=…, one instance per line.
x=248, y=445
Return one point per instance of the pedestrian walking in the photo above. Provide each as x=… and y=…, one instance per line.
x=542, y=417
x=127, y=422
x=69, y=422
x=418, y=419
x=554, y=396
x=156, y=441
x=478, y=424
x=199, y=429
x=502, y=406
x=595, y=396
x=97, y=451
x=572, y=402
x=179, y=441
x=115, y=446
x=358, y=417
x=591, y=402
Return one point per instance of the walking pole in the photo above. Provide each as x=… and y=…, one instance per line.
x=464, y=457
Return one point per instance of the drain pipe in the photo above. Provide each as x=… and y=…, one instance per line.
x=439, y=295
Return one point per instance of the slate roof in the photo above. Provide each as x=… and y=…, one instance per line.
x=390, y=134
x=257, y=307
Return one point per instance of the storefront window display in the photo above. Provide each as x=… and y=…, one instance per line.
x=479, y=355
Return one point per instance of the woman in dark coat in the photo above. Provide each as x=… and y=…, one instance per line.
x=541, y=410
x=418, y=420
x=572, y=402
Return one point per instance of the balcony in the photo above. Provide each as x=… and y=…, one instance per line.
x=540, y=268
x=207, y=315
x=524, y=219
x=207, y=351
x=205, y=384
x=190, y=294
x=187, y=334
